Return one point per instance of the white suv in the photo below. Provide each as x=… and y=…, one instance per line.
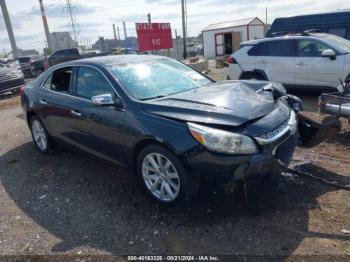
x=308, y=61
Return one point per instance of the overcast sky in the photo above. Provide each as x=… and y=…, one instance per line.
x=95, y=18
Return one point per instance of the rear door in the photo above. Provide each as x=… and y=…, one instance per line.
x=219, y=44
x=54, y=100
x=276, y=59
x=313, y=70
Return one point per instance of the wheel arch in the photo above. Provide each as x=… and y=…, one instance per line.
x=140, y=145
x=260, y=75
x=30, y=114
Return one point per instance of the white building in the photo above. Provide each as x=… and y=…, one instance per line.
x=62, y=40
x=224, y=38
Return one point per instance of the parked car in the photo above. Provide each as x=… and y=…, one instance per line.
x=31, y=66
x=70, y=54
x=336, y=23
x=125, y=51
x=166, y=121
x=312, y=61
x=11, y=80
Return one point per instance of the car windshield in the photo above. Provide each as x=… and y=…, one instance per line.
x=340, y=43
x=157, y=78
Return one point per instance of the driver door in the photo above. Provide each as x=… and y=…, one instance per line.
x=313, y=70
x=98, y=130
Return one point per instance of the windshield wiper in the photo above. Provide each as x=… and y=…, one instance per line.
x=153, y=97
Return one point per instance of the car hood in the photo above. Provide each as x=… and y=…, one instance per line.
x=230, y=103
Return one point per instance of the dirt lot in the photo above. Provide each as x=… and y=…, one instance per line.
x=68, y=203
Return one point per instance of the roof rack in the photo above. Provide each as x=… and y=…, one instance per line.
x=310, y=31
x=280, y=33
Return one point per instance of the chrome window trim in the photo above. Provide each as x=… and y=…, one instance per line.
x=291, y=125
x=74, y=96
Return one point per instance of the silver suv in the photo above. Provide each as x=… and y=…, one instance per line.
x=307, y=61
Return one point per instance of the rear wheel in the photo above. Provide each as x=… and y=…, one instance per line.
x=40, y=136
x=164, y=177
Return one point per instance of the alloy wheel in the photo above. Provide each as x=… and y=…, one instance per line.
x=160, y=177
x=39, y=135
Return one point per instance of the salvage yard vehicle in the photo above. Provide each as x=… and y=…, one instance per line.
x=337, y=103
x=11, y=80
x=169, y=123
x=70, y=54
x=307, y=61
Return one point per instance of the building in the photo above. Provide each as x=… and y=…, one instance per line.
x=62, y=40
x=224, y=38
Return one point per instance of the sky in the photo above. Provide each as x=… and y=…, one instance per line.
x=95, y=18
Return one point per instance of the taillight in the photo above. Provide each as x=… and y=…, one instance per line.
x=231, y=60
x=21, y=90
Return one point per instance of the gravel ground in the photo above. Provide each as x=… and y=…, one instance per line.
x=68, y=203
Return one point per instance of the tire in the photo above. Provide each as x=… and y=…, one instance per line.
x=40, y=135
x=183, y=186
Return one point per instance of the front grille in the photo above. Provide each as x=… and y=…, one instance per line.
x=276, y=131
x=284, y=152
x=4, y=85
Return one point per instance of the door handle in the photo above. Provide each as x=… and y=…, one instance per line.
x=300, y=64
x=43, y=102
x=76, y=113
x=262, y=62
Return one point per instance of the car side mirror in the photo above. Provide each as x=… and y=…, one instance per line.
x=329, y=53
x=103, y=100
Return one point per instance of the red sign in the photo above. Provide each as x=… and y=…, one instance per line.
x=154, y=36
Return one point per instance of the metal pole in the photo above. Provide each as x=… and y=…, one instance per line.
x=46, y=27
x=114, y=32
x=6, y=15
x=118, y=33
x=176, y=45
x=266, y=20
x=70, y=7
x=125, y=36
x=183, y=28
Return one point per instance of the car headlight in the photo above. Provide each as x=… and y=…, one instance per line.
x=222, y=141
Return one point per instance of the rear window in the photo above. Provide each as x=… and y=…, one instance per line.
x=282, y=48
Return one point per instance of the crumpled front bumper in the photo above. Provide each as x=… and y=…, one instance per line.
x=275, y=152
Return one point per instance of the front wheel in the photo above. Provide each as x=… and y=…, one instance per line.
x=164, y=176
x=40, y=136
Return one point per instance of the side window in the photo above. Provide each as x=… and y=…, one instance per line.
x=311, y=48
x=59, y=80
x=91, y=82
x=282, y=48
x=254, y=51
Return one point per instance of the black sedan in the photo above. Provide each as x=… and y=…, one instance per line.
x=169, y=123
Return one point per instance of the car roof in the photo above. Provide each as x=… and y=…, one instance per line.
x=286, y=37
x=112, y=60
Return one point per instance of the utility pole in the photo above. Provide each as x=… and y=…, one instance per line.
x=149, y=18
x=183, y=28
x=118, y=33
x=71, y=15
x=125, y=36
x=6, y=15
x=266, y=20
x=114, y=33
x=46, y=27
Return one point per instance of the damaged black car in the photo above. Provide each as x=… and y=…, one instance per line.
x=173, y=125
